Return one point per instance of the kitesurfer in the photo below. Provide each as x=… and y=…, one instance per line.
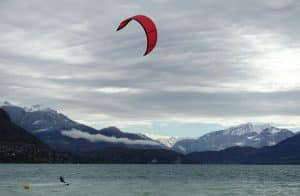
x=62, y=180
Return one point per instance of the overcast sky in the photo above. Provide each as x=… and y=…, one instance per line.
x=217, y=63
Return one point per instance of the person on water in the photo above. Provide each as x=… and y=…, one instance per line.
x=62, y=180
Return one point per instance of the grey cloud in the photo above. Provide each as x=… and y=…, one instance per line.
x=163, y=104
x=58, y=53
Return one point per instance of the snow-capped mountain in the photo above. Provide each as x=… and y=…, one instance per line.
x=246, y=128
x=63, y=134
x=168, y=141
x=242, y=135
x=37, y=119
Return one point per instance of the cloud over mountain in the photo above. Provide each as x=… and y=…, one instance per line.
x=77, y=134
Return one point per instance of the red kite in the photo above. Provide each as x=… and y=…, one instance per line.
x=149, y=27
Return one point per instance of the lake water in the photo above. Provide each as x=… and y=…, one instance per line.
x=149, y=180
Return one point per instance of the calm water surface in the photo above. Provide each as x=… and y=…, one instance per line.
x=150, y=180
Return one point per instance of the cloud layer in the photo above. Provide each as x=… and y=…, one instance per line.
x=215, y=62
x=77, y=134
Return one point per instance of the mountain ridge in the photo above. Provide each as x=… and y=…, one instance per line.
x=64, y=134
x=242, y=135
x=285, y=152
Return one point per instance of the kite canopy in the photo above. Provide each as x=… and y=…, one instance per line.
x=149, y=27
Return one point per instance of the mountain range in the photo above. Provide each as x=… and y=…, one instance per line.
x=65, y=135
x=19, y=146
x=285, y=152
x=243, y=135
x=59, y=134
